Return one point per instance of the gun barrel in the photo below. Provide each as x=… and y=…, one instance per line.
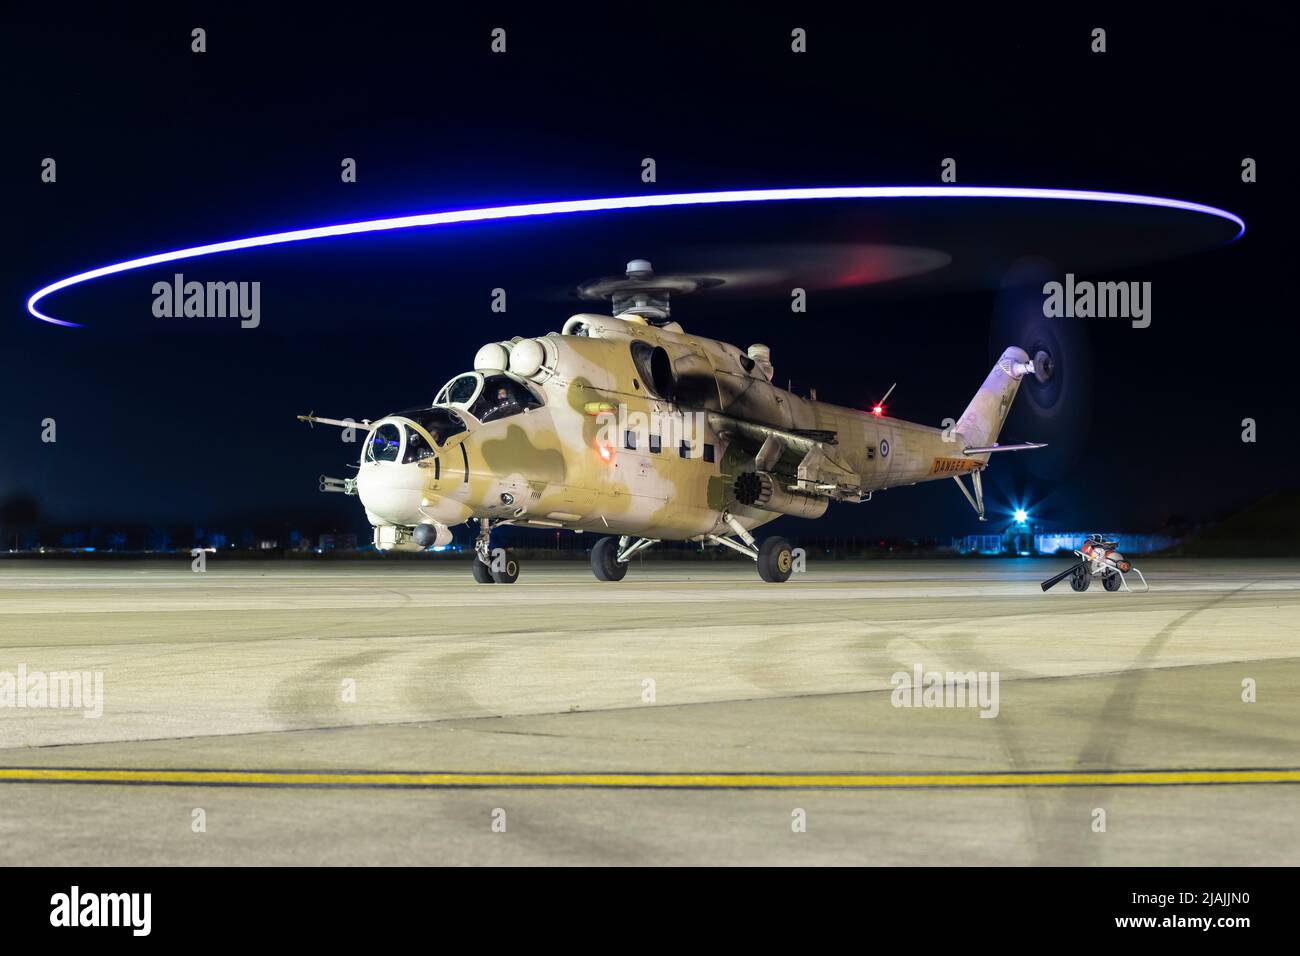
x=344, y=486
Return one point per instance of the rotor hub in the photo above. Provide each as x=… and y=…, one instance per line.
x=640, y=292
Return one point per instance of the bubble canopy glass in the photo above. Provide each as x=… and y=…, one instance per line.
x=461, y=390
x=488, y=397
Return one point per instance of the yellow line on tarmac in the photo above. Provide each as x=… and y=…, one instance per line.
x=744, y=781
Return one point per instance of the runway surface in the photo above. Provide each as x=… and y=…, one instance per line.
x=386, y=712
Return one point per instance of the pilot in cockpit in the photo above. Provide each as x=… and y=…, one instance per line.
x=504, y=404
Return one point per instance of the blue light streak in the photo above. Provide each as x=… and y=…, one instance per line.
x=568, y=207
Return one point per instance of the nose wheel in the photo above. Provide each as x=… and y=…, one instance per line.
x=504, y=567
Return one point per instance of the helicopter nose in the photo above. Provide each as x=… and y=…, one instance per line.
x=392, y=492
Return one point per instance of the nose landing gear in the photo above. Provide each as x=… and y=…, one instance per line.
x=482, y=573
x=492, y=565
x=504, y=567
x=501, y=567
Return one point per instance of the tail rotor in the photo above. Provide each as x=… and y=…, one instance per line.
x=1054, y=402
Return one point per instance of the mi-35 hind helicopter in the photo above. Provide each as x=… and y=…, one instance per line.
x=627, y=426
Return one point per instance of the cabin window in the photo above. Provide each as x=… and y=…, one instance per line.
x=629, y=440
x=656, y=444
x=684, y=449
x=708, y=452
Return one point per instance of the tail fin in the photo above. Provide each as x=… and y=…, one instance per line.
x=980, y=424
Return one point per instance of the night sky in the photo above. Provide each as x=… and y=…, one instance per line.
x=190, y=422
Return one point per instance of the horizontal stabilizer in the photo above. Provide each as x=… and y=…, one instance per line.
x=1023, y=446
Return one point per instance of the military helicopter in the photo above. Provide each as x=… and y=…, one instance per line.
x=627, y=426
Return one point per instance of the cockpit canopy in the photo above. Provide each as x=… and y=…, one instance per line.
x=485, y=397
x=440, y=423
x=488, y=397
x=397, y=441
x=385, y=443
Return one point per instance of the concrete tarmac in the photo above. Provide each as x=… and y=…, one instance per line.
x=683, y=667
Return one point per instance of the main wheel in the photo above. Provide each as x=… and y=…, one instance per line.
x=482, y=574
x=775, y=560
x=604, y=561
x=1111, y=581
x=1080, y=579
x=505, y=567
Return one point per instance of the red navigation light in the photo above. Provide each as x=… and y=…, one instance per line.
x=877, y=410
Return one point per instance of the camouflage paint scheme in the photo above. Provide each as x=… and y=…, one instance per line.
x=565, y=465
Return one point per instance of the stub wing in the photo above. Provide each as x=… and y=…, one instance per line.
x=809, y=453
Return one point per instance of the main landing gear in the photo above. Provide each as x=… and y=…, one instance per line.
x=774, y=557
x=775, y=560
x=610, y=556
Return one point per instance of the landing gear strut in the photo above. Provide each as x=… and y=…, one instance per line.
x=499, y=566
x=610, y=556
x=775, y=556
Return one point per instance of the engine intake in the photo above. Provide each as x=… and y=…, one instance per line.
x=656, y=369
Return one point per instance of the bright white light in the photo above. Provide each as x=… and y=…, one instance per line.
x=567, y=207
x=1021, y=516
